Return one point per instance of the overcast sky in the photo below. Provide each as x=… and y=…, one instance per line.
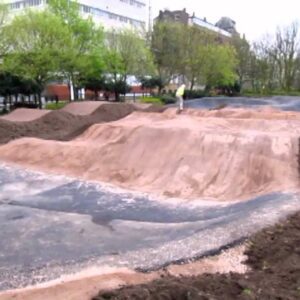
x=253, y=17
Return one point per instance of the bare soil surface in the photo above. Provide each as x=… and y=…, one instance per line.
x=199, y=156
x=25, y=115
x=83, y=108
x=274, y=259
x=61, y=125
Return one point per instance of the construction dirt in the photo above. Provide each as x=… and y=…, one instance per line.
x=62, y=124
x=274, y=261
x=182, y=156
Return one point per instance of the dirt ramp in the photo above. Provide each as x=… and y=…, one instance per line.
x=184, y=156
x=61, y=125
x=55, y=125
x=83, y=108
x=109, y=112
x=25, y=115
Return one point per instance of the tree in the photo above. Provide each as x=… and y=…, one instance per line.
x=36, y=41
x=151, y=82
x=168, y=51
x=285, y=53
x=127, y=55
x=219, y=69
x=263, y=69
x=276, y=62
x=95, y=84
x=243, y=53
x=84, y=51
x=197, y=42
x=3, y=20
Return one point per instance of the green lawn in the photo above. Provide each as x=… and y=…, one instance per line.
x=55, y=106
x=151, y=100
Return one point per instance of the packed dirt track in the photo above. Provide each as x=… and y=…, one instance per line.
x=193, y=155
x=63, y=124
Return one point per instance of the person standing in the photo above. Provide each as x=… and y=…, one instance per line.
x=179, y=96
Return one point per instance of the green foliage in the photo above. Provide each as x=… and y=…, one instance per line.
x=117, y=86
x=166, y=46
x=56, y=105
x=152, y=100
x=151, y=82
x=168, y=99
x=37, y=40
x=83, y=55
x=219, y=69
x=192, y=53
x=243, y=56
x=126, y=54
x=3, y=20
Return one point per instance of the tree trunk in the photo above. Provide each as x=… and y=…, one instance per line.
x=40, y=100
x=192, y=83
x=117, y=96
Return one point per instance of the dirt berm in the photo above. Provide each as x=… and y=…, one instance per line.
x=182, y=156
x=62, y=125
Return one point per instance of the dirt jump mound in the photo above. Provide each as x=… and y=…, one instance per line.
x=25, y=115
x=176, y=156
x=60, y=124
x=83, y=108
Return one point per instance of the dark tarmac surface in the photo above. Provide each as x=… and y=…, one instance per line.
x=288, y=103
x=52, y=225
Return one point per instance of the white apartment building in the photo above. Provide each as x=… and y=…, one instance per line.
x=204, y=24
x=108, y=13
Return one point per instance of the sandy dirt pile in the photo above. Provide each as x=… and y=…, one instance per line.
x=25, y=115
x=177, y=156
x=60, y=124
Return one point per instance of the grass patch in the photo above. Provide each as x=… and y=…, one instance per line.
x=151, y=100
x=55, y=106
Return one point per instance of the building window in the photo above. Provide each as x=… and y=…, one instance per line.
x=113, y=16
x=134, y=3
x=16, y=5
x=32, y=3
x=123, y=19
x=86, y=9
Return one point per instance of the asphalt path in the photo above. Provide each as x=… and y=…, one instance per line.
x=53, y=225
x=288, y=103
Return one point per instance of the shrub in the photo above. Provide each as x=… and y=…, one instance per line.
x=168, y=99
x=4, y=111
